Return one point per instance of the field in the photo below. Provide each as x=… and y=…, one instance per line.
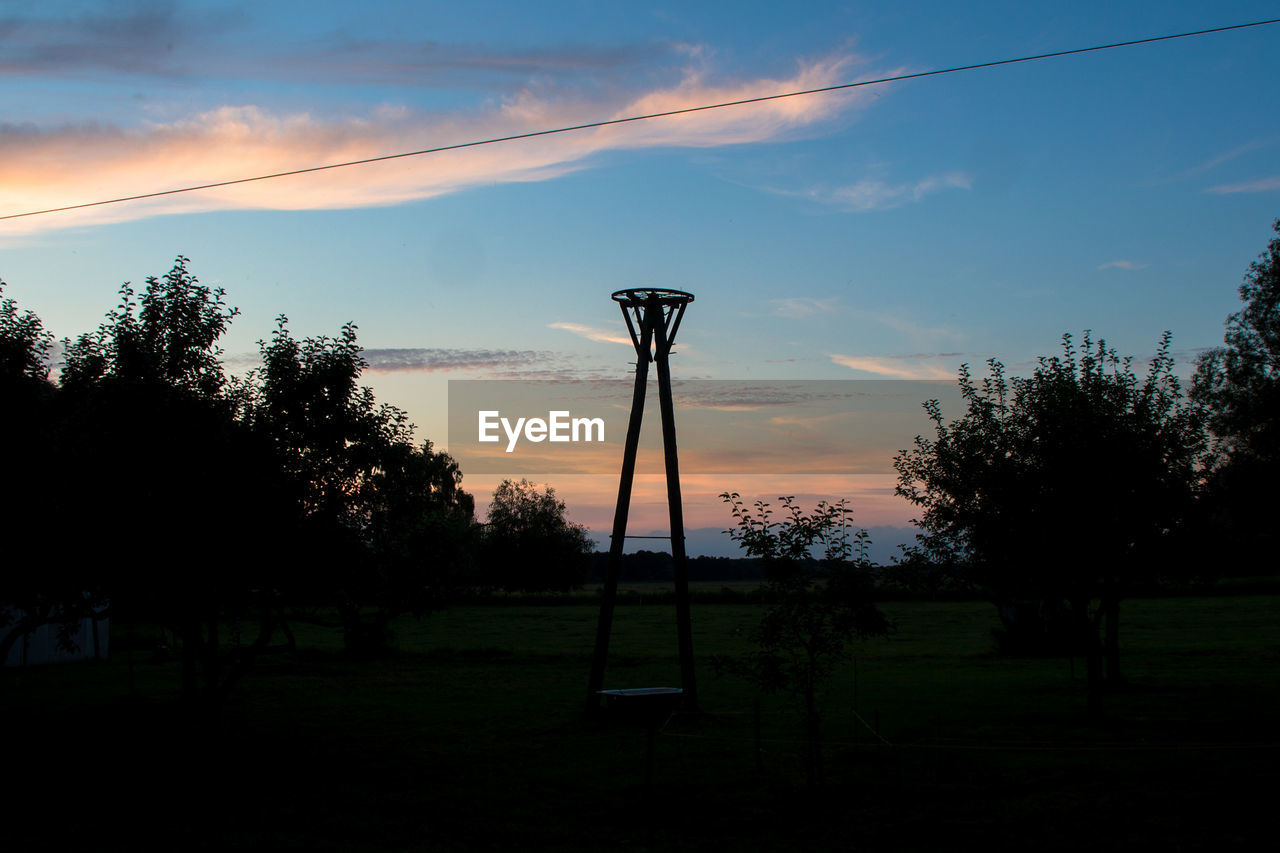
x=471, y=736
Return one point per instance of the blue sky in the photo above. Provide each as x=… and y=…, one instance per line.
x=889, y=232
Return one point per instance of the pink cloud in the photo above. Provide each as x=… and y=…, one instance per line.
x=47, y=168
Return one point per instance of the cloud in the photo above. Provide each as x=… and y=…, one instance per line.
x=591, y=333
x=431, y=63
x=810, y=424
x=873, y=194
x=800, y=307
x=164, y=39
x=1257, y=185
x=430, y=360
x=921, y=336
x=731, y=395
x=1122, y=265
x=1227, y=156
x=53, y=167
x=427, y=359
x=949, y=181
x=135, y=41
x=892, y=366
x=487, y=363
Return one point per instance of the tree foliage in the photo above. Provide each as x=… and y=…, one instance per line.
x=152, y=499
x=24, y=346
x=331, y=432
x=197, y=510
x=817, y=595
x=168, y=336
x=1239, y=382
x=529, y=542
x=387, y=524
x=33, y=591
x=180, y=495
x=1061, y=486
x=421, y=529
x=1239, y=386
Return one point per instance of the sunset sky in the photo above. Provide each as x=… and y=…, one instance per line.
x=885, y=232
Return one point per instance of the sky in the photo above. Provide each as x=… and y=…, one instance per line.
x=891, y=232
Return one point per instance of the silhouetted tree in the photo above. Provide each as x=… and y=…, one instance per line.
x=178, y=503
x=1060, y=487
x=385, y=523
x=190, y=496
x=332, y=432
x=927, y=568
x=34, y=591
x=422, y=529
x=1239, y=385
x=24, y=346
x=815, y=604
x=530, y=544
x=168, y=336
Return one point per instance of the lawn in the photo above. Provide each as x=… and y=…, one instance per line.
x=472, y=736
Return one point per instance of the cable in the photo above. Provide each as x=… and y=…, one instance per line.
x=645, y=117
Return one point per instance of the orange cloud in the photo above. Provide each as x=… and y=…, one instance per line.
x=891, y=367
x=50, y=168
x=592, y=333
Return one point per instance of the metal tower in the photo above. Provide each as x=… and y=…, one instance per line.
x=653, y=317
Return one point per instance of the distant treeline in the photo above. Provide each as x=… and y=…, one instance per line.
x=903, y=582
x=660, y=566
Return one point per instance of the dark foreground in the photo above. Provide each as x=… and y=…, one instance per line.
x=471, y=737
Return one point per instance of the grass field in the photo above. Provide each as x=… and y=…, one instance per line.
x=471, y=736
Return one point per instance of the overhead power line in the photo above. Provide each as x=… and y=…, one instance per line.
x=645, y=117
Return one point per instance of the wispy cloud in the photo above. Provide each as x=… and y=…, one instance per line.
x=894, y=367
x=809, y=424
x=731, y=395
x=1122, y=265
x=476, y=363
x=921, y=336
x=165, y=39
x=431, y=360
x=1227, y=156
x=874, y=194
x=592, y=333
x=46, y=168
x=1221, y=159
x=131, y=41
x=800, y=307
x=1255, y=185
x=431, y=63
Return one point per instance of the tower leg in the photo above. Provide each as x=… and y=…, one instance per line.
x=684, y=624
x=619, y=538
